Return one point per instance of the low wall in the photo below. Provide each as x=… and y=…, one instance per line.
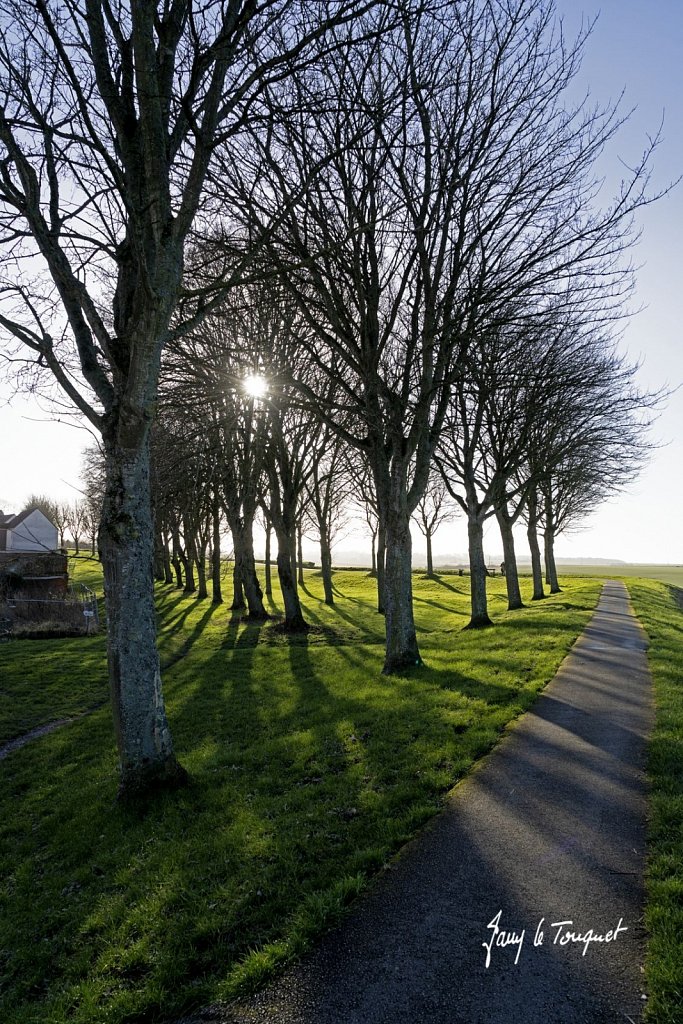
x=35, y=572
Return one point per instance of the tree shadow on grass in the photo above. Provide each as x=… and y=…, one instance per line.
x=186, y=646
x=449, y=609
x=461, y=591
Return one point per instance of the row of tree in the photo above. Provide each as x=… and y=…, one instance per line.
x=389, y=211
x=538, y=428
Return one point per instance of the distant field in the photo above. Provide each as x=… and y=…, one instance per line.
x=672, y=574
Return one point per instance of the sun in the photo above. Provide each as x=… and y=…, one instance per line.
x=255, y=385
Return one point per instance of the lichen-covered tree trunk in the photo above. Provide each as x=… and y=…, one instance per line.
x=479, y=616
x=510, y=558
x=126, y=545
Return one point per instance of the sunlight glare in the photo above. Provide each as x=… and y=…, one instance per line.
x=255, y=385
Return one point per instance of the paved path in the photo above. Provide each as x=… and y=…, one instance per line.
x=550, y=826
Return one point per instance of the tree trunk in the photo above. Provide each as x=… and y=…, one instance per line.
x=300, y=556
x=269, y=580
x=189, y=561
x=202, y=589
x=549, y=546
x=381, y=566
x=532, y=536
x=373, y=571
x=550, y=567
x=177, y=565
x=475, y=534
x=158, y=557
x=190, y=585
x=326, y=567
x=77, y=551
x=430, y=562
x=245, y=563
x=291, y=540
x=510, y=559
x=294, y=619
x=126, y=545
x=238, y=602
x=401, y=650
x=216, y=585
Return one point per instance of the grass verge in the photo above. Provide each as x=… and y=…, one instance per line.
x=660, y=610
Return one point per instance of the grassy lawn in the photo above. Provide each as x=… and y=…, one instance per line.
x=660, y=610
x=309, y=771
x=671, y=574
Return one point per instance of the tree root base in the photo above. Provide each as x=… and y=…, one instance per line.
x=399, y=664
x=478, y=624
x=141, y=784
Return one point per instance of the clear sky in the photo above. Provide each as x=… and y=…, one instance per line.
x=636, y=46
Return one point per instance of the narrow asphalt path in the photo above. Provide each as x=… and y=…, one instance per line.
x=549, y=828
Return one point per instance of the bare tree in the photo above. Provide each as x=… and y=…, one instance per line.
x=364, y=488
x=433, y=509
x=93, y=487
x=328, y=490
x=75, y=519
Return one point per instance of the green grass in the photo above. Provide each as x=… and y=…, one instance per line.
x=309, y=771
x=660, y=610
x=672, y=574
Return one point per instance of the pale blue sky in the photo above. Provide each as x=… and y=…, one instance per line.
x=636, y=46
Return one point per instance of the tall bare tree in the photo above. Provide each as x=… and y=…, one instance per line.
x=433, y=510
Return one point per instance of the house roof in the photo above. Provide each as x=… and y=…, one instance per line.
x=11, y=521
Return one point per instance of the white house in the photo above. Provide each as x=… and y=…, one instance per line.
x=29, y=531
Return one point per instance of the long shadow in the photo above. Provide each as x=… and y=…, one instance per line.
x=462, y=591
x=191, y=638
x=365, y=633
x=221, y=691
x=435, y=604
